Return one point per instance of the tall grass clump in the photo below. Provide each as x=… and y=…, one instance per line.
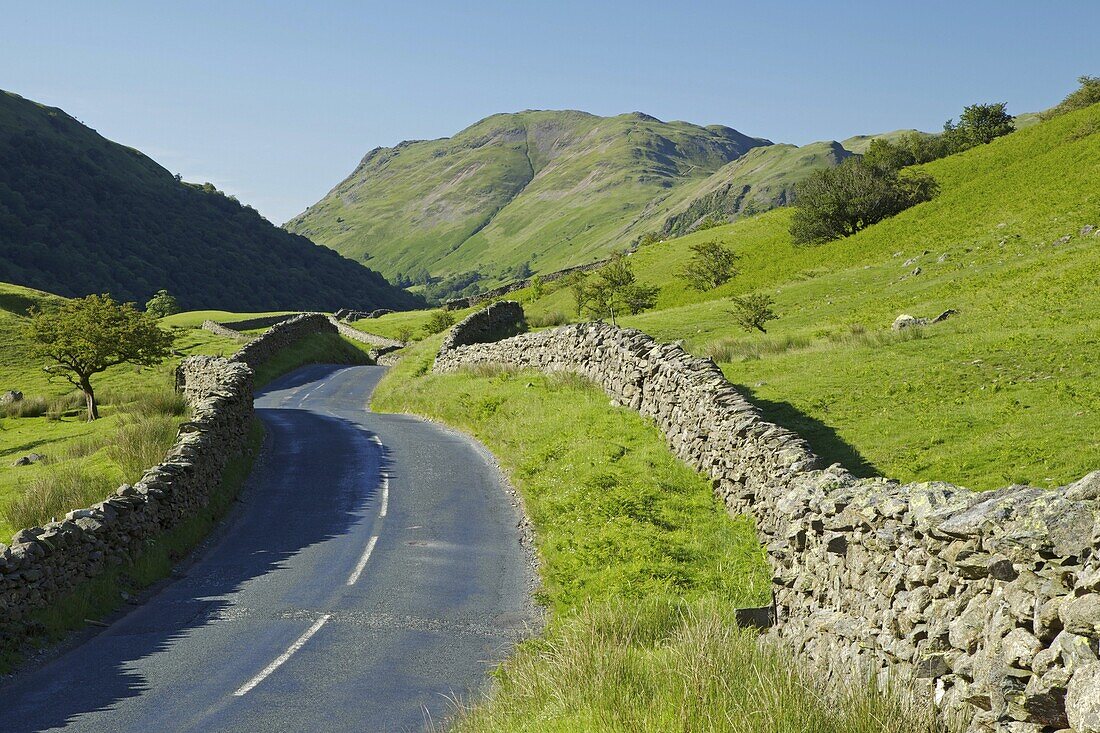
x=55, y=491
x=730, y=349
x=546, y=320
x=663, y=664
x=28, y=407
x=141, y=441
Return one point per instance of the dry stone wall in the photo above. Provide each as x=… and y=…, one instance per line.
x=44, y=563
x=281, y=335
x=382, y=344
x=222, y=330
x=501, y=319
x=987, y=604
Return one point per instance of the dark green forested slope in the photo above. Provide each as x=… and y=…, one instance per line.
x=81, y=214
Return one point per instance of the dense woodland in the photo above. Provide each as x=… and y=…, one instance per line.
x=80, y=214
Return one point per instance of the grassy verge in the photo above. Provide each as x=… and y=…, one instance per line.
x=322, y=348
x=100, y=596
x=641, y=569
x=405, y=325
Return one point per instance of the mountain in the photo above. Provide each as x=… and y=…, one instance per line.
x=81, y=214
x=762, y=179
x=1007, y=390
x=548, y=188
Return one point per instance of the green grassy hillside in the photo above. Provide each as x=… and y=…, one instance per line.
x=1006, y=391
x=551, y=188
x=762, y=179
x=80, y=214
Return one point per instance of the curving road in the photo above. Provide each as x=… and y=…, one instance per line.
x=374, y=573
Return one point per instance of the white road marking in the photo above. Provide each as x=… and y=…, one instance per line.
x=385, y=496
x=362, y=561
x=247, y=686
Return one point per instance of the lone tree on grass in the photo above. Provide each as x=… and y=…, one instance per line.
x=162, y=304
x=85, y=336
x=711, y=264
x=753, y=311
x=611, y=290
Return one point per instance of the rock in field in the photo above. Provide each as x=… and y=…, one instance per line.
x=907, y=321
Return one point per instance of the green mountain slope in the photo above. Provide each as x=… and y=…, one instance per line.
x=761, y=179
x=81, y=214
x=545, y=187
x=1005, y=391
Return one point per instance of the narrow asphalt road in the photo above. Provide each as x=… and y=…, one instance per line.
x=373, y=575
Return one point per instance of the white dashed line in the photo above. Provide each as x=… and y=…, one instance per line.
x=385, y=496
x=247, y=687
x=362, y=561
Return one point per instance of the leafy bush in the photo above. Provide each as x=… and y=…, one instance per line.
x=752, y=311
x=979, y=124
x=838, y=202
x=711, y=264
x=439, y=321
x=1086, y=95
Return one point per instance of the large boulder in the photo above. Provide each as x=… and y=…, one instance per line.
x=907, y=321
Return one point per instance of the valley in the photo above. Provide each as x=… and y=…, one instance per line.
x=796, y=415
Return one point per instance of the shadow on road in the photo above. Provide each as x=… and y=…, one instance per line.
x=311, y=456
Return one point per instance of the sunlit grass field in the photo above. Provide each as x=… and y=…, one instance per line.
x=1006, y=391
x=642, y=572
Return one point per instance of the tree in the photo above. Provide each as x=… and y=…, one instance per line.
x=611, y=290
x=1086, y=95
x=86, y=336
x=711, y=264
x=885, y=155
x=753, y=311
x=838, y=202
x=637, y=298
x=162, y=304
x=978, y=124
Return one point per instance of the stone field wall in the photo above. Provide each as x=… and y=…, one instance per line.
x=985, y=604
x=282, y=335
x=220, y=329
x=43, y=564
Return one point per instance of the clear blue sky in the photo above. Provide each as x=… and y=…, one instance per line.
x=277, y=101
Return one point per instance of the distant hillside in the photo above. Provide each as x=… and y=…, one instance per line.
x=761, y=179
x=549, y=188
x=81, y=214
x=1005, y=391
